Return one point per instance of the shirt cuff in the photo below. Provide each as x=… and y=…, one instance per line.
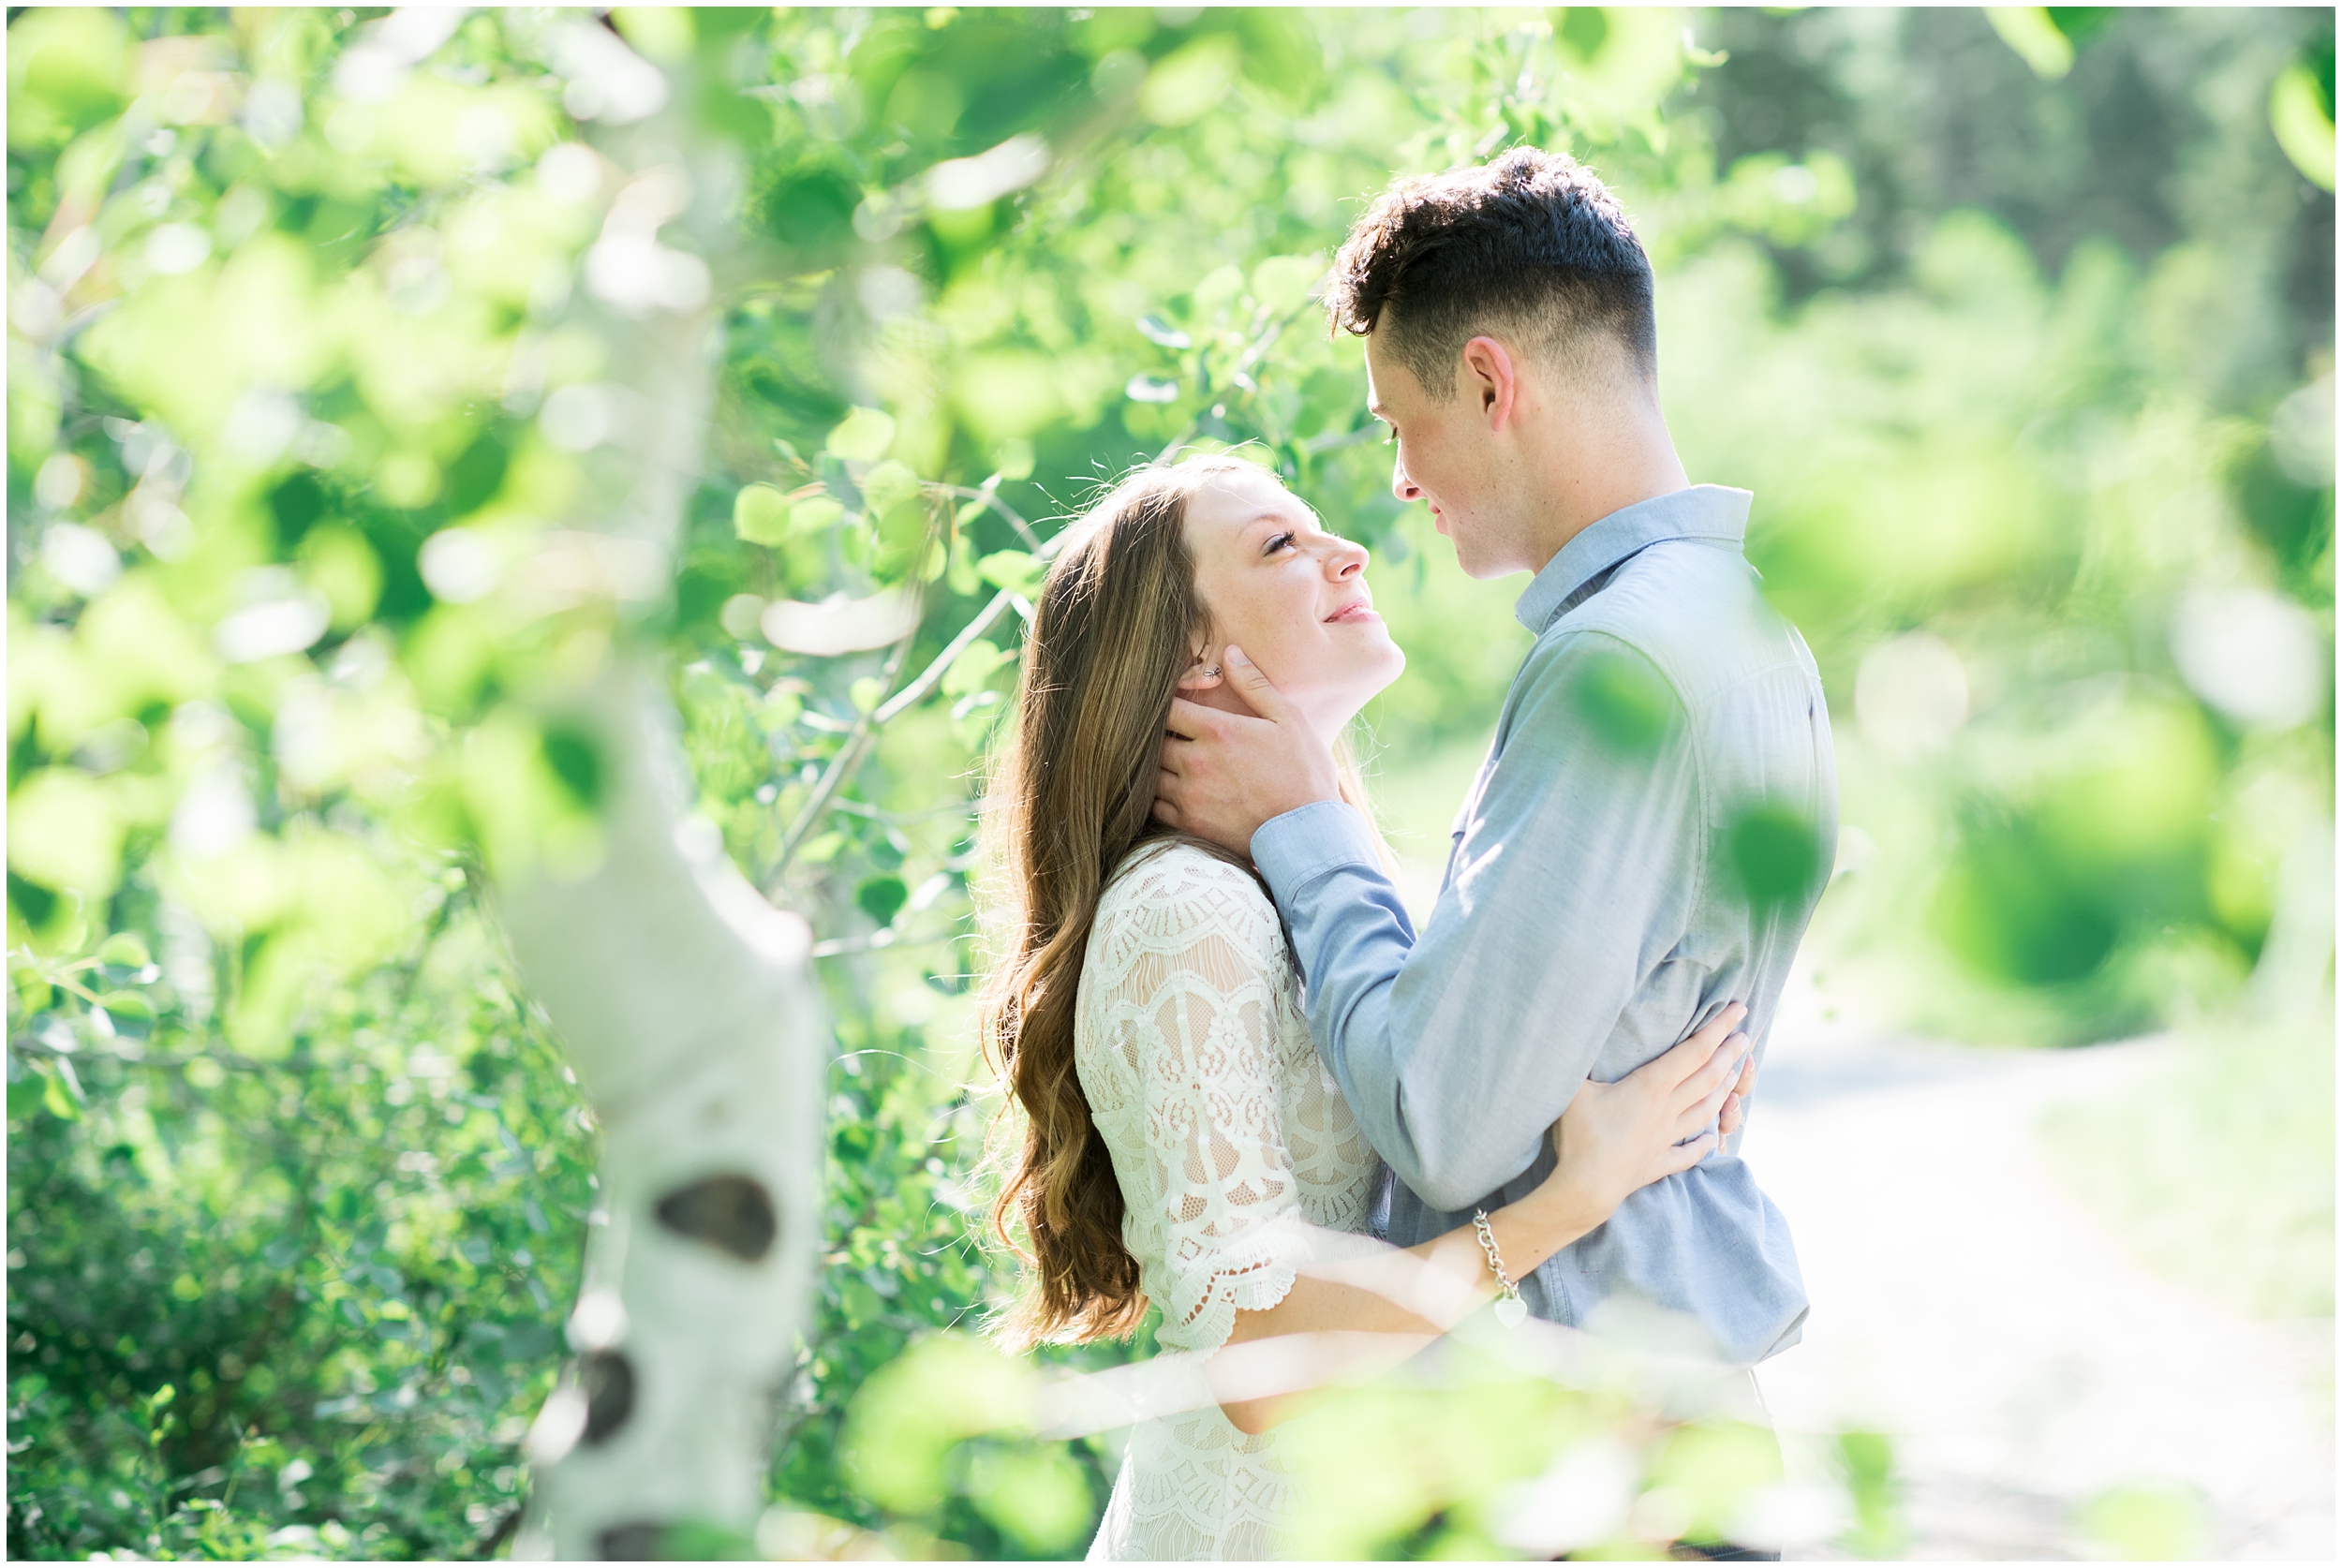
x=1296, y=848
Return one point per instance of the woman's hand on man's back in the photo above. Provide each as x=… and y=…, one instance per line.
x=1664, y=1117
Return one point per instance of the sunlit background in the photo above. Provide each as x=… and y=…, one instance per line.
x=2018, y=324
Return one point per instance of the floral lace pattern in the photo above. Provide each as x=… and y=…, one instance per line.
x=1231, y=1141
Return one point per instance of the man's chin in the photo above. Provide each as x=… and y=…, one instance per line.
x=1473, y=566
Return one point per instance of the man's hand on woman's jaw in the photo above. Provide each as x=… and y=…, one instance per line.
x=1224, y=774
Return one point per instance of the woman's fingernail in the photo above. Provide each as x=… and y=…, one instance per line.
x=1235, y=655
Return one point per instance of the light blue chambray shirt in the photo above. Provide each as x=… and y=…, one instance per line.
x=1594, y=910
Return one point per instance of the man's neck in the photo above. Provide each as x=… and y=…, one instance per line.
x=1632, y=461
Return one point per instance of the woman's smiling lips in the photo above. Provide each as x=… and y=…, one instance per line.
x=1357, y=610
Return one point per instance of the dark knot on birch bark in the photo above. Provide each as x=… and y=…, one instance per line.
x=608, y=1379
x=732, y=1213
x=631, y=1543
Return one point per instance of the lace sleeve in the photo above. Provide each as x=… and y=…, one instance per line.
x=1195, y=1009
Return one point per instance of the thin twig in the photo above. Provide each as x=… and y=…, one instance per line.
x=990, y=497
x=880, y=939
x=134, y=1057
x=841, y=764
x=943, y=663
x=880, y=813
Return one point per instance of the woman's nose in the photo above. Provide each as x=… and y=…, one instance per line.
x=1347, y=558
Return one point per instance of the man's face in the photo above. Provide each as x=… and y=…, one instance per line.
x=1444, y=459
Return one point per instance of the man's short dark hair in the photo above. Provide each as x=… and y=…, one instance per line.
x=1531, y=246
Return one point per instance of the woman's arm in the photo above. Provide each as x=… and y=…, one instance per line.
x=1614, y=1139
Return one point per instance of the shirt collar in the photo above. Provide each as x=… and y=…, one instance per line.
x=1703, y=512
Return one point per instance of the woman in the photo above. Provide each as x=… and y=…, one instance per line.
x=1182, y=1142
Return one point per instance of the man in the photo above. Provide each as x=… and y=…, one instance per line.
x=1655, y=817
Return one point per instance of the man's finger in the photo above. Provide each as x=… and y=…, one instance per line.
x=1165, y=813
x=1729, y=1119
x=1259, y=693
x=1192, y=721
x=1167, y=785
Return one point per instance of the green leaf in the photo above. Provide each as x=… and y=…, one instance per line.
x=124, y=950
x=1037, y=1497
x=863, y=436
x=1014, y=571
x=2037, y=41
x=761, y=514
x=574, y=755
x=1583, y=31
x=1624, y=703
x=62, y=1094
x=882, y=898
x=815, y=513
x=2302, y=122
x=64, y=834
x=1217, y=289
x=1775, y=855
x=132, y=1005
x=1189, y=82
x=887, y=486
x=974, y=667
x=1282, y=281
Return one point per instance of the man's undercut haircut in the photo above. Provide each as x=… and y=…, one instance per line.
x=1531, y=247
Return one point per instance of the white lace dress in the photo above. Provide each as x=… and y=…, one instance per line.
x=1230, y=1139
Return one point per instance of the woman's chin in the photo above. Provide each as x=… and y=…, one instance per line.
x=1367, y=681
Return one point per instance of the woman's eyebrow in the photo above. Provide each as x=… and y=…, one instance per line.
x=1284, y=520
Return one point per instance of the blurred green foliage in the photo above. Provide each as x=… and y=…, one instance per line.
x=2031, y=372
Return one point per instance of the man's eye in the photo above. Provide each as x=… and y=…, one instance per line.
x=1390, y=435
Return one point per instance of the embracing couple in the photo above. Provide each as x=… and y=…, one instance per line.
x=1234, y=1054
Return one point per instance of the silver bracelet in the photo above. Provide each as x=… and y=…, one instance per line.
x=1510, y=1310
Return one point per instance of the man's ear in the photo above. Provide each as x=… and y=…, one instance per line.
x=1491, y=378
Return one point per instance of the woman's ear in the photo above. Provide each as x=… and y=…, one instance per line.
x=1204, y=675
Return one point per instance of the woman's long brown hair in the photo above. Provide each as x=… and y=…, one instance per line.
x=1118, y=622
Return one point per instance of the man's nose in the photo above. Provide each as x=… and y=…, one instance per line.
x=1401, y=485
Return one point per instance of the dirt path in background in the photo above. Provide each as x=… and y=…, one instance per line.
x=1965, y=1304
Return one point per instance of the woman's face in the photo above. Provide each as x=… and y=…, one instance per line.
x=1288, y=593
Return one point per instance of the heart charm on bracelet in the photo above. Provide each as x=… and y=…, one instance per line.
x=1511, y=1312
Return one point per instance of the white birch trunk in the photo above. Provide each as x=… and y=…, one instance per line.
x=686, y=1008
x=684, y=1001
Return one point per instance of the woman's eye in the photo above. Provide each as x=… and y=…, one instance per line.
x=1276, y=542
